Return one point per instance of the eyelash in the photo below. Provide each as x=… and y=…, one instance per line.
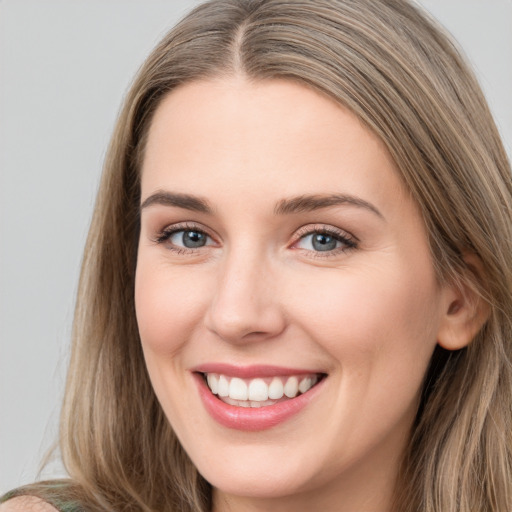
x=169, y=231
x=349, y=241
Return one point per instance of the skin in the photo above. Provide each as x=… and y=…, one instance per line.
x=259, y=292
x=27, y=504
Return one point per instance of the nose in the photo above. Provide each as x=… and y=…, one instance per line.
x=245, y=306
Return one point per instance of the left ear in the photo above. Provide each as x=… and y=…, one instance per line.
x=465, y=310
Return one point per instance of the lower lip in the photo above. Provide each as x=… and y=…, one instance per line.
x=253, y=418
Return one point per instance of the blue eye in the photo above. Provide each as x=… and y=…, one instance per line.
x=319, y=242
x=191, y=239
x=186, y=238
x=325, y=241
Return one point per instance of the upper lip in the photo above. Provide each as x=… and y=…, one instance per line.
x=252, y=371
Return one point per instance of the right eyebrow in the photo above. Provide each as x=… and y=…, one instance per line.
x=185, y=201
x=310, y=203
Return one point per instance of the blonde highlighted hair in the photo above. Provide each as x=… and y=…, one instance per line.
x=403, y=77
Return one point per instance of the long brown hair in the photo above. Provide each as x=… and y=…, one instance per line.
x=402, y=76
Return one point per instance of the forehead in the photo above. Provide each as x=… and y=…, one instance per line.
x=266, y=135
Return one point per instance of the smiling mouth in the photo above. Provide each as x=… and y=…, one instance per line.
x=260, y=392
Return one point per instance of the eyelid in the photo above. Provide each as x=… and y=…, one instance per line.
x=324, y=228
x=163, y=235
x=350, y=240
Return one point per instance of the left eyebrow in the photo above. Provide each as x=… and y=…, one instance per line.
x=309, y=203
x=185, y=201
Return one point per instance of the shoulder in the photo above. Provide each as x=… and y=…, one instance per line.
x=26, y=504
x=48, y=496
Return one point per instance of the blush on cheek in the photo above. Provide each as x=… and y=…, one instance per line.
x=153, y=318
x=168, y=307
x=358, y=318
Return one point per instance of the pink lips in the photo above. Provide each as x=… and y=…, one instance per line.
x=252, y=419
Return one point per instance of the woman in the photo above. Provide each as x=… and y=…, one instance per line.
x=296, y=292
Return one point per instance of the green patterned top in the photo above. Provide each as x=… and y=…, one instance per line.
x=57, y=493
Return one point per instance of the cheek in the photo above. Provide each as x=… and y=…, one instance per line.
x=168, y=306
x=373, y=317
x=379, y=330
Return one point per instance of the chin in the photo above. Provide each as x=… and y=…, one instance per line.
x=259, y=483
x=262, y=470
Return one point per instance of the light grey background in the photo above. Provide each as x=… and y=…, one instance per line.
x=64, y=67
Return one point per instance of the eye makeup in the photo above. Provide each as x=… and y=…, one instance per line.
x=319, y=239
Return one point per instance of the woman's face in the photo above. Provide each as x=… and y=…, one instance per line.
x=279, y=249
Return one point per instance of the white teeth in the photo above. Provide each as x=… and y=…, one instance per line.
x=246, y=403
x=223, y=386
x=291, y=388
x=238, y=389
x=213, y=383
x=304, y=384
x=275, y=390
x=258, y=390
